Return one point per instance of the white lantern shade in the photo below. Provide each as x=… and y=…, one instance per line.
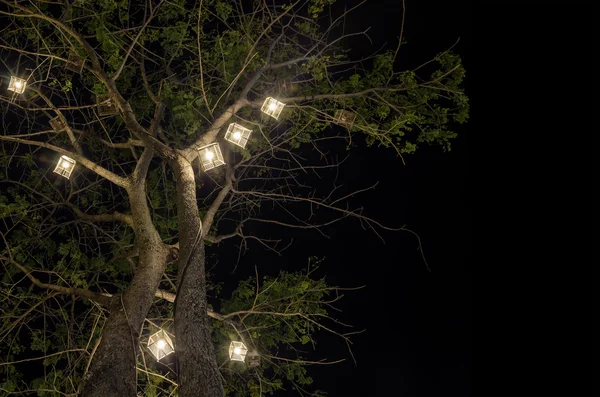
x=272, y=107
x=210, y=156
x=237, y=134
x=75, y=63
x=17, y=85
x=58, y=124
x=253, y=359
x=345, y=118
x=237, y=351
x=160, y=345
x=106, y=105
x=65, y=166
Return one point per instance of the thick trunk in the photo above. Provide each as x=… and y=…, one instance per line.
x=112, y=372
x=198, y=372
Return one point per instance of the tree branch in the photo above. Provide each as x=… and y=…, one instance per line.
x=114, y=217
x=103, y=172
x=101, y=298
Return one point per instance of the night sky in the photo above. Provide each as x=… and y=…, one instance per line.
x=418, y=334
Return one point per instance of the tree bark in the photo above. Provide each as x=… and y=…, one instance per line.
x=112, y=372
x=198, y=371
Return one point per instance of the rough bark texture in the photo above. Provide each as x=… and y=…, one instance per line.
x=198, y=372
x=112, y=372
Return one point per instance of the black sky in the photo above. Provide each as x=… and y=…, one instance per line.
x=418, y=338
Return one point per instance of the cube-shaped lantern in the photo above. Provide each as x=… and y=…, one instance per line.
x=106, y=106
x=253, y=359
x=285, y=86
x=160, y=345
x=345, y=118
x=17, y=84
x=65, y=166
x=75, y=63
x=210, y=156
x=58, y=124
x=272, y=107
x=237, y=134
x=237, y=351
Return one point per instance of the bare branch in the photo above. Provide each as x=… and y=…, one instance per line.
x=103, y=172
x=103, y=299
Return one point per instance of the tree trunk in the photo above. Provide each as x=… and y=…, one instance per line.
x=112, y=372
x=198, y=372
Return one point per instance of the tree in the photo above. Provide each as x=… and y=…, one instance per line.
x=134, y=93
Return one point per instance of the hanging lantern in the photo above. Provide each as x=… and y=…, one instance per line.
x=75, y=63
x=253, y=359
x=17, y=84
x=210, y=156
x=237, y=134
x=345, y=118
x=160, y=345
x=65, y=166
x=58, y=124
x=272, y=107
x=286, y=86
x=106, y=106
x=237, y=351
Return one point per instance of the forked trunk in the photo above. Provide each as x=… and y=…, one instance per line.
x=112, y=372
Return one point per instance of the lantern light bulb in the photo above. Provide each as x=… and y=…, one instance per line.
x=209, y=155
x=161, y=344
x=237, y=351
x=18, y=84
x=237, y=135
x=66, y=164
x=272, y=106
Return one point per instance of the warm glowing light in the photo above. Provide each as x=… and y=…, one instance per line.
x=238, y=134
x=237, y=351
x=160, y=345
x=272, y=107
x=65, y=166
x=17, y=84
x=210, y=156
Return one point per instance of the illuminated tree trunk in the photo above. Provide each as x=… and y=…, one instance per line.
x=112, y=372
x=198, y=371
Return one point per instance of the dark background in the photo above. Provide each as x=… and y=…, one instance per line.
x=418, y=334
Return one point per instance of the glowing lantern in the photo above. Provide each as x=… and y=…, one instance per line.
x=106, y=106
x=210, y=156
x=160, y=345
x=345, y=118
x=58, y=124
x=272, y=107
x=237, y=134
x=17, y=85
x=253, y=359
x=65, y=166
x=75, y=63
x=237, y=351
